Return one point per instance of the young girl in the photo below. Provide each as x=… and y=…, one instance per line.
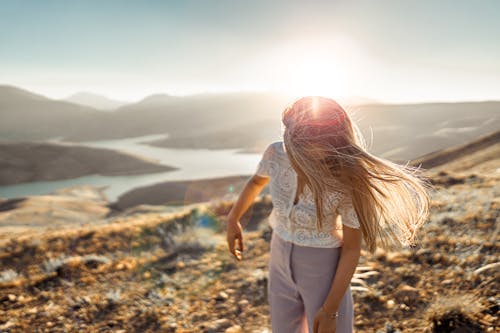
x=319, y=174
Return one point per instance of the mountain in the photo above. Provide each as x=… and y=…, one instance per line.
x=357, y=100
x=13, y=94
x=95, y=101
x=30, y=119
x=405, y=131
x=395, y=132
x=201, y=113
x=245, y=119
x=25, y=116
x=467, y=156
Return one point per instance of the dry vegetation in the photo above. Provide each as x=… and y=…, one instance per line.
x=154, y=272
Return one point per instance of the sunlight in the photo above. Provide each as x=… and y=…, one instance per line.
x=323, y=66
x=316, y=75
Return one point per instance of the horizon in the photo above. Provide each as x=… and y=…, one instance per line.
x=367, y=101
x=393, y=53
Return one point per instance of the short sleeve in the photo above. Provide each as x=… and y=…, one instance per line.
x=348, y=213
x=263, y=168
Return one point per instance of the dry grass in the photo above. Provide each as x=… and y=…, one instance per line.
x=456, y=313
x=155, y=272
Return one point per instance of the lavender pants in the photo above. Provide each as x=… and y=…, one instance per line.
x=300, y=278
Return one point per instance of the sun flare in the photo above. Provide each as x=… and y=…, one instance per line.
x=315, y=75
x=317, y=67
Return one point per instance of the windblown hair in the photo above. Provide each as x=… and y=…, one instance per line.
x=328, y=151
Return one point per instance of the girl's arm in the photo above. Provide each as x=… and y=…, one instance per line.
x=247, y=196
x=234, y=230
x=346, y=266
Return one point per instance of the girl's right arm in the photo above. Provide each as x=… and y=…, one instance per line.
x=246, y=198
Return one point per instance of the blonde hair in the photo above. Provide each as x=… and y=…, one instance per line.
x=328, y=151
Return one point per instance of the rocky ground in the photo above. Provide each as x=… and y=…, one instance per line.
x=171, y=272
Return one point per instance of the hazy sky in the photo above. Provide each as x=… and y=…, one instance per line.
x=392, y=51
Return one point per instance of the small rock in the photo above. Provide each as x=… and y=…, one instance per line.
x=171, y=328
x=243, y=303
x=222, y=296
x=220, y=307
x=217, y=326
x=389, y=328
x=234, y=329
x=437, y=257
x=407, y=294
x=199, y=317
x=12, y=297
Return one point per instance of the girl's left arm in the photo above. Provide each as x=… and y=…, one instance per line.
x=346, y=266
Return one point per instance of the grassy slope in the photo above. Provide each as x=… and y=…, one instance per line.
x=142, y=273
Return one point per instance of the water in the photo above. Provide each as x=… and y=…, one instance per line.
x=192, y=163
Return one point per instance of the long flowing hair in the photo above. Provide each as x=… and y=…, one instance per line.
x=328, y=152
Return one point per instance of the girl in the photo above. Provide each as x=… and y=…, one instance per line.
x=319, y=174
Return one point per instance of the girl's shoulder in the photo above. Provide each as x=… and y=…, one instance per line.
x=278, y=147
x=278, y=153
x=274, y=150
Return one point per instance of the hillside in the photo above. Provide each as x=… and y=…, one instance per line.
x=397, y=132
x=469, y=156
x=25, y=116
x=242, y=120
x=171, y=271
x=95, y=101
x=28, y=116
x=23, y=162
x=181, y=192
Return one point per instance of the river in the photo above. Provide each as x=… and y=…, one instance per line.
x=192, y=163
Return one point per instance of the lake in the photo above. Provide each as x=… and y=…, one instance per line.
x=192, y=163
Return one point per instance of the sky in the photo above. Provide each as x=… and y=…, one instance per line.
x=389, y=51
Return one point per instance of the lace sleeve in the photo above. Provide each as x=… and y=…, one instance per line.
x=264, y=163
x=348, y=213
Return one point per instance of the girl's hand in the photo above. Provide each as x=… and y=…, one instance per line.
x=235, y=232
x=323, y=323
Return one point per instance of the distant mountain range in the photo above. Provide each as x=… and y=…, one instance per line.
x=94, y=101
x=27, y=116
x=239, y=120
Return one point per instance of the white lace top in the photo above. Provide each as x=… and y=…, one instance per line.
x=283, y=187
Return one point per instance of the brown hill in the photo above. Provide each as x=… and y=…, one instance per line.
x=153, y=272
x=182, y=192
x=485, y=149
x=22, y=162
